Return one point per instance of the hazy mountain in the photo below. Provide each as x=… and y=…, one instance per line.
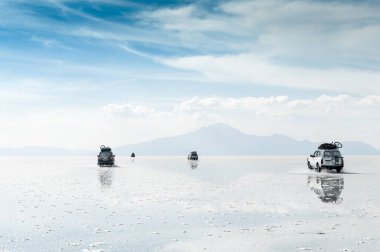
x=359, y=148
x=221, y=139
x=42, y=151
x=216, y=139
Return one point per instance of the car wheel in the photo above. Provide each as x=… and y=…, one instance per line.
x=309, y=165
x=338, y=170
x=319, y=169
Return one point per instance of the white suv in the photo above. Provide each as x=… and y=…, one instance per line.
x=327, y=156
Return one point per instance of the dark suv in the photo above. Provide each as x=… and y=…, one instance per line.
x=106, y=157
x=192, y=156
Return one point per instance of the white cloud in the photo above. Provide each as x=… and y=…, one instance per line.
x=130, y=110
x=305, y=30
x=371, y=100
x=344, y=106
x=252, y=69
x=245, y=103
x=329, y=46
x=296, y=44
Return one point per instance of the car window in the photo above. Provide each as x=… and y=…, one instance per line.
x=335, y=153
x=327, y=154
x=105, y=154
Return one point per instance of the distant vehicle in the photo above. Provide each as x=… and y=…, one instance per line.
x=328, y=189
x=327, y=156
x=133, y=154
x=106, y=157
x=192, y=156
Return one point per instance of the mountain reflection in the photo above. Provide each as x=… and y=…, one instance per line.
x=327, y=188
x=105, y=176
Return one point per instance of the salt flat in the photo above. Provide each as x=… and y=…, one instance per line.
x=171, y=204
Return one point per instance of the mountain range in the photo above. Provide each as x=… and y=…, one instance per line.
x=222, y=139
x=216, y=139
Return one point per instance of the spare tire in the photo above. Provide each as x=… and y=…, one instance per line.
x=338, y=145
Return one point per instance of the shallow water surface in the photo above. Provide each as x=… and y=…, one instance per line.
x=171, y=204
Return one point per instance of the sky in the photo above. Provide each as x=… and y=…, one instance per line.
x=78, y=74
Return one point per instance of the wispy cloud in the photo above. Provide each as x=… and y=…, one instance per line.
x=252, y=69
x=50, y=43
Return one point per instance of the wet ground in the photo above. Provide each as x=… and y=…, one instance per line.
x=171, y=204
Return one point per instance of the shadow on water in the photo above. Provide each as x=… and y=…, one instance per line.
x=343, y=172
x=105, y=176
x=327, y=188
x=193, y=164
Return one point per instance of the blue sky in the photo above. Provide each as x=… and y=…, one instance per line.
x=82, y=73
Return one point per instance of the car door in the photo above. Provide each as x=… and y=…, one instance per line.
x=313, y=159
x=318, y=158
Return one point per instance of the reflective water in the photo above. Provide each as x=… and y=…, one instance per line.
x=172, y=204
x=328, y=188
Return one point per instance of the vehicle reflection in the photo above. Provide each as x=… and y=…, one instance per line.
x=105, y=176
x=327, y=188
x=193, y=164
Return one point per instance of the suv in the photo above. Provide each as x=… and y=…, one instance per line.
x=192, y=156
x=327, y=156
x=106, y=157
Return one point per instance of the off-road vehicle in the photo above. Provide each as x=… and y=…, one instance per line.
x=192, y=156
x=327, y=156
x=106, y=157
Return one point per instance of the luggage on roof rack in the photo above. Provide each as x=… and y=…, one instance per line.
x=104, y=148
x=330, y=146
x=193, y=156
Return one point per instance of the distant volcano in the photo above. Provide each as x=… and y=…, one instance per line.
x=222, y=139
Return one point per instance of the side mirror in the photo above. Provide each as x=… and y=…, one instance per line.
x=97, y=155
x=113, y=155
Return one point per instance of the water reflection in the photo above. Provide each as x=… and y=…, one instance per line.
x=105, y=176
x=193, y=164
x=327, y=188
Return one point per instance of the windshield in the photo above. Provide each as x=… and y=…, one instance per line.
x=332, y=154
x=105, y=154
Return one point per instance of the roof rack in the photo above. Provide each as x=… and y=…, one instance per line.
x=330, y=146
x=104, y=148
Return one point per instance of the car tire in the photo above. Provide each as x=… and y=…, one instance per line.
x=309, y=165
x=338, y=170
x=319, y=168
